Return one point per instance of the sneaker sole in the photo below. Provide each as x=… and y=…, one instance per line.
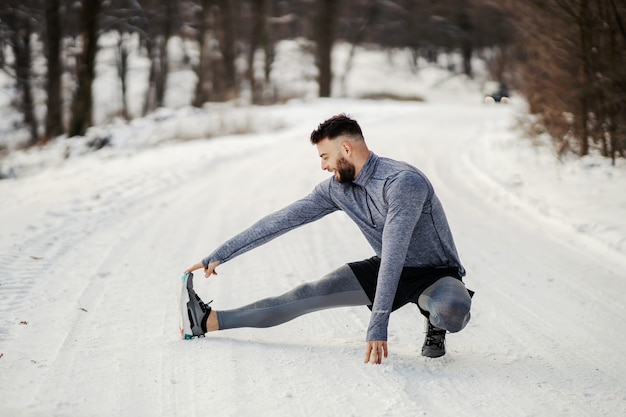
x=433, y=354
x=184, y=324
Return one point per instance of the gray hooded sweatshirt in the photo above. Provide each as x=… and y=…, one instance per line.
x=396, y=209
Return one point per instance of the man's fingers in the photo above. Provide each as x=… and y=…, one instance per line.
x=374, y=352
x=371, y=353
x=210, y=269
x=194, y=267
x=368, y=351
x=375, y=357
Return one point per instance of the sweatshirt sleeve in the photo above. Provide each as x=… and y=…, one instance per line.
x=406, y=196
x=306, y=210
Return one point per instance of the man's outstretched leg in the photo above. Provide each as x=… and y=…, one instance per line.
x=339, y=288
x=448, y=303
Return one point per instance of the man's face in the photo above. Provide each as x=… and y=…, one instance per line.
x=333, y=160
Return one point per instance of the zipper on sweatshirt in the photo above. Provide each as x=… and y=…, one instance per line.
x=369, y=210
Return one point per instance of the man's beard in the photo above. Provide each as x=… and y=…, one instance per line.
x=345, y=171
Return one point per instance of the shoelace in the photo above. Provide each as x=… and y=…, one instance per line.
x=204, y=306
x=435, y=336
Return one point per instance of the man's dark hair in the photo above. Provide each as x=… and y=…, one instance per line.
x=336, y=126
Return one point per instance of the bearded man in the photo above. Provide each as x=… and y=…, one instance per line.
x=395, y=207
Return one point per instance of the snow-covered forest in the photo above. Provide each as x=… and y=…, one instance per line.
x=566, y=58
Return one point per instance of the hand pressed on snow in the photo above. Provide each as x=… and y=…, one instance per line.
x=374, y=351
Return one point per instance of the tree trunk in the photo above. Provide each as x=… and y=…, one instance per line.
x=325, y=38
x=157, y=52
x=617, y=86
x=161, y=29
x=465, y=24
x=585, y=46
x=257, y=36
x=163, y=61
x=54, y=115
x=269, y=93
x=161, y=69
x=150, y=100
x=81, y=117
x=22, y=50
x=226, y=82
x=122, y=71
x=204, y=86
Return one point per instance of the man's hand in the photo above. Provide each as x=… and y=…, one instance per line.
x=374, y=351
x=208, y=271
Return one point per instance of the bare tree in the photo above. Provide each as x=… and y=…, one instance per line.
x=82, y=105
x=54, y=35
x=125, y=18
x=358, y=33
x=226, y=80
x=325, y=30
x=259, y=36
x=16, y=20
x=204, y=72
x=573, y=75
x=161, y=16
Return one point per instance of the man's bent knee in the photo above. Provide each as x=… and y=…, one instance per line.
x=452, y=316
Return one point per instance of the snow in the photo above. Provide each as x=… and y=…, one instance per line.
x=93, y=245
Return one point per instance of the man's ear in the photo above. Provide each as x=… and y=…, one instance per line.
x=346, y=148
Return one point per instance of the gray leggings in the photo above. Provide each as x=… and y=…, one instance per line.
x=447, y=302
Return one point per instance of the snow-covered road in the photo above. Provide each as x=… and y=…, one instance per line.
x=92, y=252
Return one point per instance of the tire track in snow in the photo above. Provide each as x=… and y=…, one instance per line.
x=78, y=269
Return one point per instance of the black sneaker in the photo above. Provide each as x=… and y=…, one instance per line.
x=193, y=312
x=435, y=342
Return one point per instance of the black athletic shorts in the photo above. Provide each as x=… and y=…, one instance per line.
x=413, y=280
